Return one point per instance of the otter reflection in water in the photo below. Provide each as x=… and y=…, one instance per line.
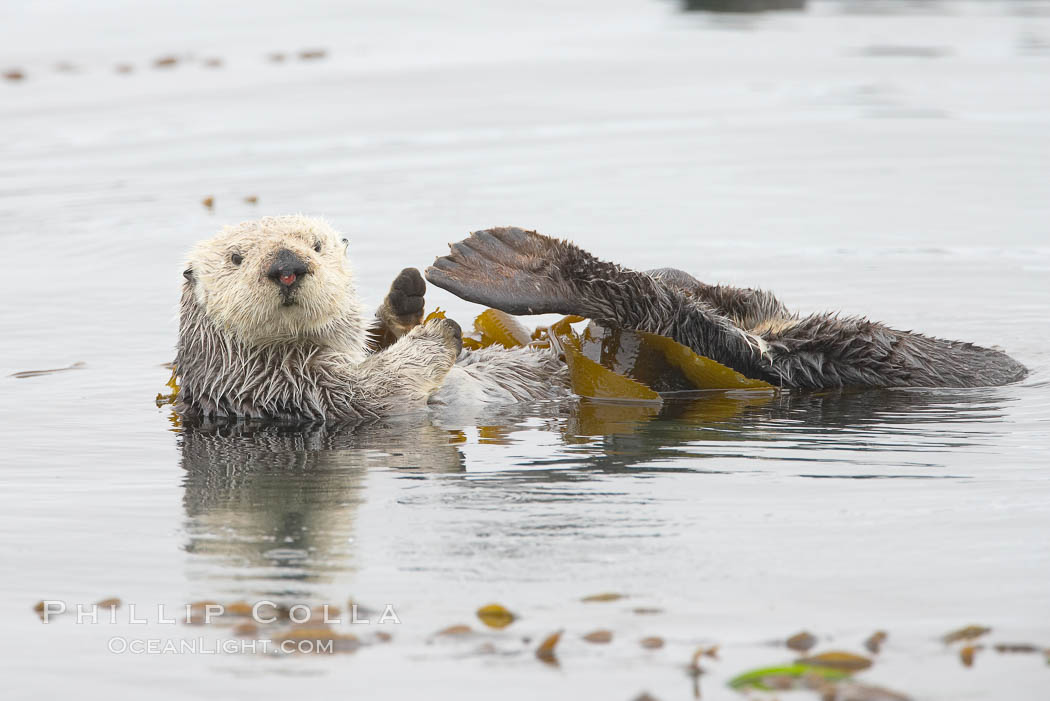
x=697, y=431
x=278, y=502
x=276, y=505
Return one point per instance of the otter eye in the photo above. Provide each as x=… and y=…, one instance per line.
x=317, y=246
x=346, y=242
x=236, y=258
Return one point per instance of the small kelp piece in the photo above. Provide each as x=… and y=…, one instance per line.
x=801, y=641
x=560, y=327
x=496, y=327
x=967, y=654
x=172, y=384
x=967, y=633
x=653, y=642
x=495, y=616
x=456, y=630
x=545, y=652
x=875, y=641
x=604, y=597
x=438, y=313
x=845, y=661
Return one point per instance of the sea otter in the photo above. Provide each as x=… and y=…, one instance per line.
x=270, y=327
x=523, y=272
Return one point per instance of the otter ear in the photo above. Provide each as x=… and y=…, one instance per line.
x=188, y=274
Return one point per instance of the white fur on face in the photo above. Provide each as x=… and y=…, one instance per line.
x=244, y=301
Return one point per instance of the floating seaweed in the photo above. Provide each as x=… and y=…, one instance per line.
x=599, y=637
x=875, y=641
x=603, y=597
x=967, y=633
x=495, y=616
x=455, y=631
x=653, y=642
x=172, y=384
x=845, y=661
x=545, y=652
x=967, y=653
x=802, y=641
x=646, y=611
x=494, y=327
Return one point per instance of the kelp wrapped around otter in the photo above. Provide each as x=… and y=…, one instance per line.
x=612, y=363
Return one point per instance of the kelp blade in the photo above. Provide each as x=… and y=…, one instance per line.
x=438, y=313
x=703, y=372
x=496, y=327
x=631, y=365
x=591, y=379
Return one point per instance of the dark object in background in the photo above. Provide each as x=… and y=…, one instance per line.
x=742, y=5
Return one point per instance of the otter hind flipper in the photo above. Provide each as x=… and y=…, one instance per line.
x=507, y=268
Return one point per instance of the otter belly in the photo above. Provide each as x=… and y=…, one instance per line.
x=497, y=375
x=463, y=388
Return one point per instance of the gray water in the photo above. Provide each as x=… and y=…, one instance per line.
x=891, y=164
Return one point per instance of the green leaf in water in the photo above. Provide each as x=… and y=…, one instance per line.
x=755, y=678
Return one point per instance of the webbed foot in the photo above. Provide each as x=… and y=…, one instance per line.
x=516, y=271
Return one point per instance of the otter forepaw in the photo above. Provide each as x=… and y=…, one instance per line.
x=402, y=309
x=451, y=332
x=517, y=271
x=446, y=332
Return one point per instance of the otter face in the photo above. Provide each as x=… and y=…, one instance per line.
x=276, y=279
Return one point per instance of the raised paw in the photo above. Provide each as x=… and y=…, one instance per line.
x=517, y=271
x=402, y=310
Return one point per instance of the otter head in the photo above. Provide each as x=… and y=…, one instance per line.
x=276, y=280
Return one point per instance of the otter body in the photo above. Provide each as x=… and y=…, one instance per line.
x=522, y=272
x=270, y=327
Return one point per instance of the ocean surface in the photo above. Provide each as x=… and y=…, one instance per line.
x=885, y=159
